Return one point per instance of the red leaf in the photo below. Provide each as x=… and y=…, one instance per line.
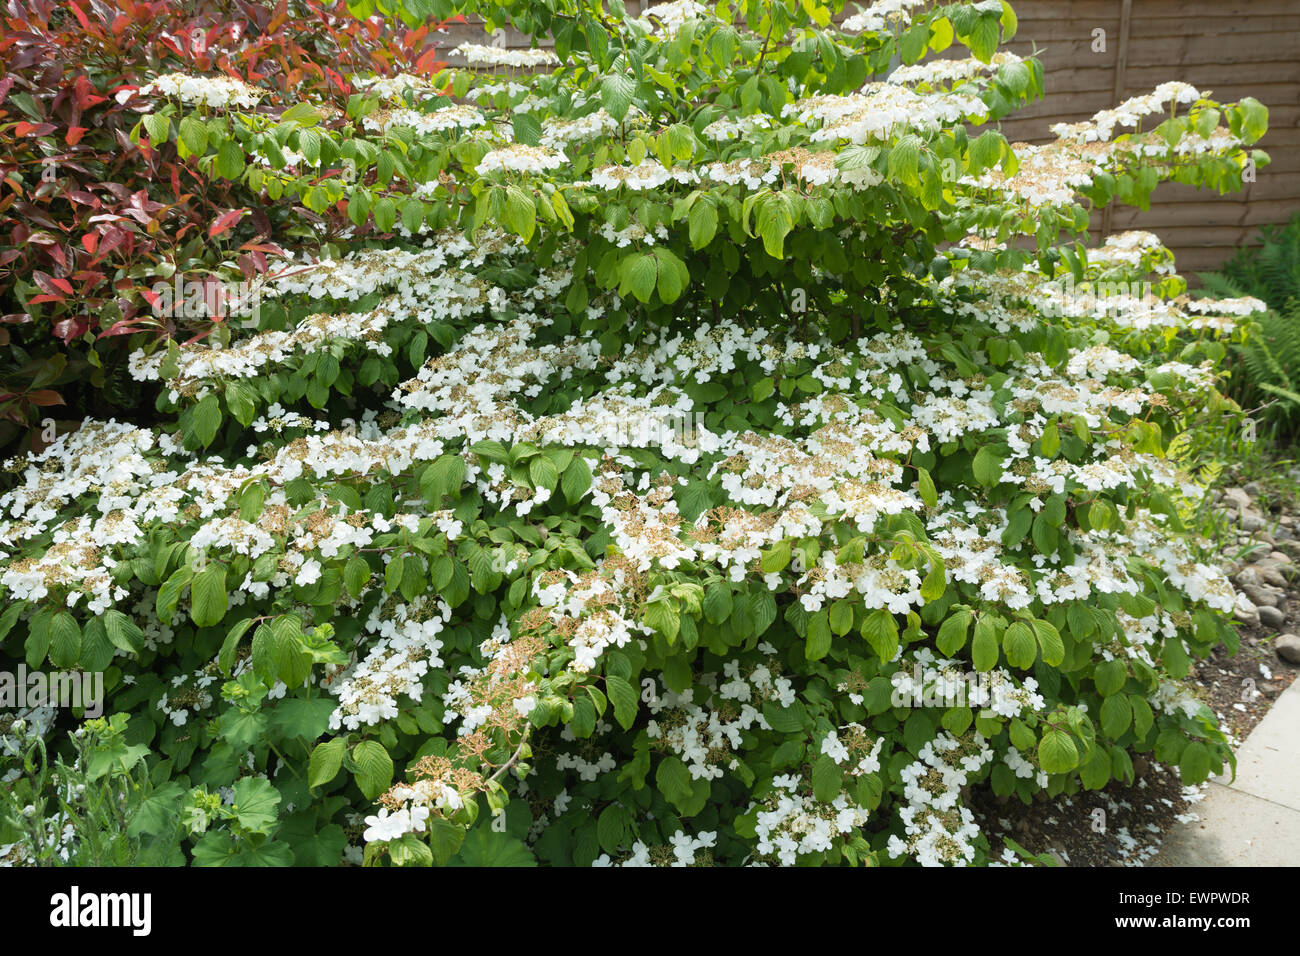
x=51, y=285
x=75, y=133
x=90, y=240
x=122, y=327
x=429, y=64
x=225, y=221
x=44, y=397
x=81, y=17
x=70, y=329
x=25, y=128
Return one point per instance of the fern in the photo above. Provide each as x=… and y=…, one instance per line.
x=1290, y=396
x=1270, y=271
x=1268, y=360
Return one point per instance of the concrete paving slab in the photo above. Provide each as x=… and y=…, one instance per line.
x=1255, y=820
x=1268, y=763
x=1235, y=829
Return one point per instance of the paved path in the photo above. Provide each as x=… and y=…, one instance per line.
x=1255, y=820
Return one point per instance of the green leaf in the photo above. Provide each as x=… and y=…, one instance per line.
x=1110, y=676
x=374, y=771
x=65, y=640
x=881, y=631
x=776, y=557
x=576, y=480
x=1051, y=441
x=904, y=160
x=925, y=485
x=194, y=135
x=953, y=631
x=208, y=601
x=616, y=92
x=484, y=846
x=542, y=473
x=255, y=803
x=988, y=466
x=527, y=129
x=96, y=649
x=1143, y=717
x=673, y=276
x=356, y=575
x=827, y=779
x=702, y=223
x=158, y=127
x=774, y=220
x=123, y=632
x=303, y=717
x=1116, y=715
x=819, y=636
x=230, y=646
x=520, y=213
x=1019, y=645
x=206, y=419
x=1057, y=753
x=1194, y=765
x=623, y=696
x=1174, y=657
x=326, y=761
x=639, y=274
x=984, y=648
x=1050, y=642
x=443, y=478
x=169, y=595
x=612, y=827
x=672, y=779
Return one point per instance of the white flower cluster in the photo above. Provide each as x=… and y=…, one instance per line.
x=558, y=132
x=215, y=91
x=881, y=110
x=518, y=158
x=882, y=15
x=480, y=56
x=791, y=822
x=937, y=829
x=706, y=738
x=398, y=87
x=685, y=852
x=1128, y=114
x=445, y=119
x=395, y=666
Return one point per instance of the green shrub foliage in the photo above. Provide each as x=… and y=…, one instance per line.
x=722, y=451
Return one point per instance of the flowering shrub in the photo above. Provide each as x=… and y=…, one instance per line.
x=727, y=459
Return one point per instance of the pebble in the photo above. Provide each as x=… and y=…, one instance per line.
x=1288, y=648
x=1271, y=616
x=1262, y=595
x=1245, y=612
x=1237, y=498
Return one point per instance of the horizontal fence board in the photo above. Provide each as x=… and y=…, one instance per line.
x=1030, y=11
